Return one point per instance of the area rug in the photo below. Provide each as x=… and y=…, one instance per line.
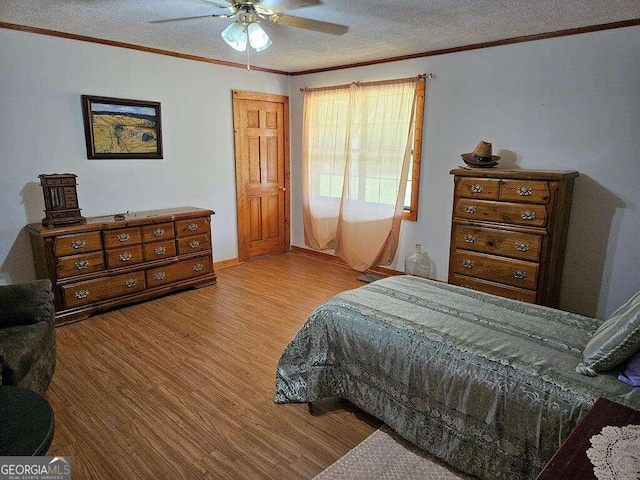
x=384, y=455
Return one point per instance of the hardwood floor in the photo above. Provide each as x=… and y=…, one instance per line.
x=182, y=386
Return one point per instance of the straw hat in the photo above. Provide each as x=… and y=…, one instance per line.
x=481, y=156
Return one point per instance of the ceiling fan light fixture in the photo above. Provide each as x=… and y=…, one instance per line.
x=235, y=36
x=258, y=38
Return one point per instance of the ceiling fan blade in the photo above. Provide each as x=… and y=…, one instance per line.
x=317, y=25
x=224, y=15
x=282, y=5
x=209, y=2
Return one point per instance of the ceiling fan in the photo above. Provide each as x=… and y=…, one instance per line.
x=249, y=14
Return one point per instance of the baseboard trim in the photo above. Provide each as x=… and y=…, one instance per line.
x=389, y=272
x=231, y=262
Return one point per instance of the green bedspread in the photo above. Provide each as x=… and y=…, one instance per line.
x=485, y=383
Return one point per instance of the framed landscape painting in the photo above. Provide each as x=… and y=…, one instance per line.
x=119, y=128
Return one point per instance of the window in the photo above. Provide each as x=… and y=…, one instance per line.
x=361, y=147
x=370, y=180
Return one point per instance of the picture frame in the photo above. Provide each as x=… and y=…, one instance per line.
x=118, y=128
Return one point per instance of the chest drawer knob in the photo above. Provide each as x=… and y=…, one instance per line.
x=130, y=283
x=160, y=250
x=125, y=257
x=519, y=274
x=470, y=208
x=123, y=237
x=159, y=275
x=522, y=247
x=158, y=232
x=81, y=265
x=528, y=215
x=197, y=267
x=477, y=188
x=192, y=227
x=470, y=238
x=467, y=263
x=524, y=191
x=80, y=294
x=194, y=244
x=78, y=244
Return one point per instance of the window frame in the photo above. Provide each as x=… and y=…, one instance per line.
x=411, y=213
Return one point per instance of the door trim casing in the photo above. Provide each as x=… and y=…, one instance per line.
x=273, y=98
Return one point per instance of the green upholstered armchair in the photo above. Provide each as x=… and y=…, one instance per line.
x=27, y=335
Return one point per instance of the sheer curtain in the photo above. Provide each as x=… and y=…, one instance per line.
x=357, y=143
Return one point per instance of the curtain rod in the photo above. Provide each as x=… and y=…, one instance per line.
x=381, y=82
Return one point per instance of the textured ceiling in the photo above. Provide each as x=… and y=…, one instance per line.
x=378, y=29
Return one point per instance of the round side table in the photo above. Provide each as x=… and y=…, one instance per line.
x=27, y=424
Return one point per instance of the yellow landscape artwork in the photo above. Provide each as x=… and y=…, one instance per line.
x=123, y=133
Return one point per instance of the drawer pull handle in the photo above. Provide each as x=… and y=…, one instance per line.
x=477, y=188
x=468, y=286
x=519, y=274
x=81, y=265
x=470, y=238
x=132, y=282
x=123, y=237
x=158, y=232
x=80, y=294
x=78, y=244
x=467, y=263
x=524, y=191
x=125, y=257
x=192, y=227
x=197, y=267
x=522, y=247
x=528, y=215
x=470, y=208
x=194, y=244
x=160, y=250
x=159, y=275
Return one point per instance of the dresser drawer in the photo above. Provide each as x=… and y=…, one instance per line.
x=498, y=242
x=193, y=226
x=121, y=237
x=528, y=191
x=179, y=271
x=154, y=233
x=159, y=250
x=122, y=257
x=193, y=244
x=494, y=288
x=77, y=243
x=486, y=188
x=80, y=264
x=518, y=213
x=91, y=291
x=498, y=269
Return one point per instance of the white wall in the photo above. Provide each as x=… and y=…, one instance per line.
x=41, y=131
x=571, y=103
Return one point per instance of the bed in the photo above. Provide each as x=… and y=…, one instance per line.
x=485, y=383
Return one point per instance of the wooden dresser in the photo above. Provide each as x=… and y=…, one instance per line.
x=509, y=232
x=106, y=262
x=571, y=461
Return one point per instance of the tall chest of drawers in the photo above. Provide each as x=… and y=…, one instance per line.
x=106, y=262
x=509, y=231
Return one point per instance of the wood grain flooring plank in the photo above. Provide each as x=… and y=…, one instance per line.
x=182, y=386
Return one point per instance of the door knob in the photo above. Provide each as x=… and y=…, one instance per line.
x=282, y=189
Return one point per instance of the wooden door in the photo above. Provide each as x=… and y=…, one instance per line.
x=261, y=129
